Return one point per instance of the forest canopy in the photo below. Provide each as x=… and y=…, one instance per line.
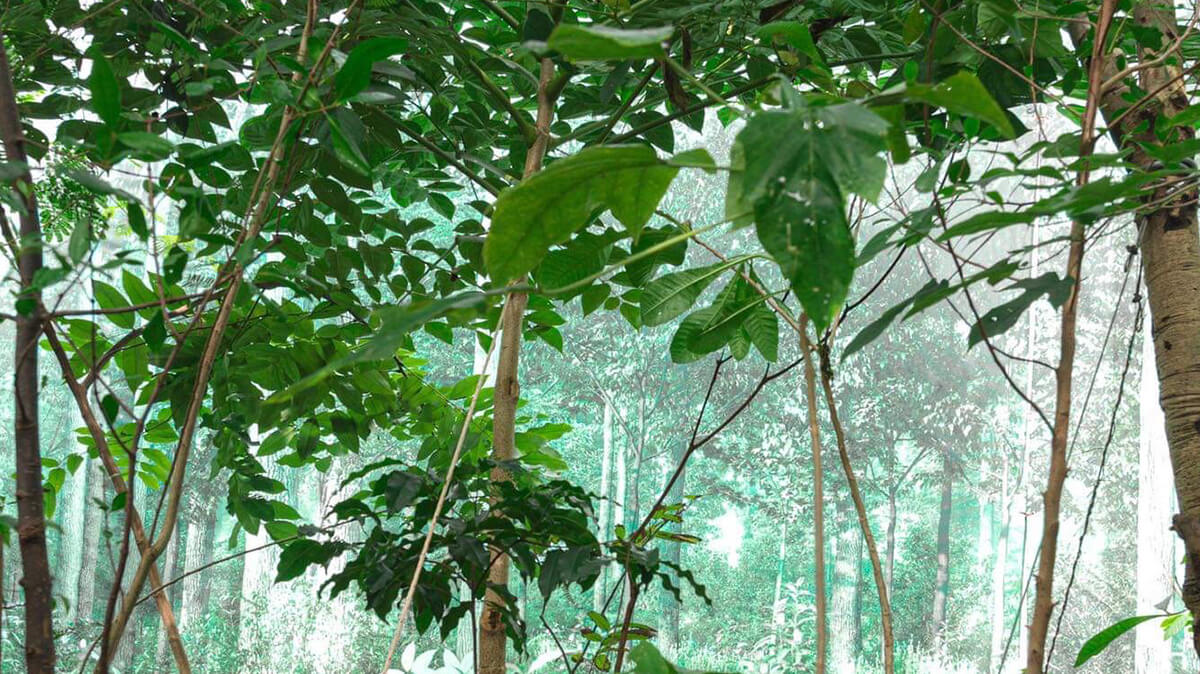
x=654, y=336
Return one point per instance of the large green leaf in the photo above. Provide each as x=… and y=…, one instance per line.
x=962, y=93
x=355, y=73
x=549, y=206
x=672, y=294
x=1092, y=647
x=603, y=43
x=850, y=142
x=105, y=90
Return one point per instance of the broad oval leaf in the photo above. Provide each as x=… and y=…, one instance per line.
x=603, y=43
x=355, y=73
x=551, y=205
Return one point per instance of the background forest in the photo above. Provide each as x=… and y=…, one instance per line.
x=724, y=336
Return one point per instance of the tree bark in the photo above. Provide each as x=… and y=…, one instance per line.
x=74, y=537
x=31, y=514
x=941, y=586
x=493, y=642
x=1170, y=247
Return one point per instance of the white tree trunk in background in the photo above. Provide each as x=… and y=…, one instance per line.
x=74, y=534
x=999, y=568
x=604, y=526
x=1155, y=540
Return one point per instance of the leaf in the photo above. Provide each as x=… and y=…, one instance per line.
x=672, y=294
x=551, y=205
x=109, y=297
x=603, y=43
x=850, y=141
x=796, y=35
x=962, y=93
x=1003, y=317
x=1093, y=646
x=148, y=146
x=802, y=224
x=874, y=329
x=81, y=239
x=762, y=326
x=105, y=89
x=355, y=73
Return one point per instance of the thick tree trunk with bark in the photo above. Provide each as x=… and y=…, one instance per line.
x=31, y=514
x=92, y=524
x=1169, y=241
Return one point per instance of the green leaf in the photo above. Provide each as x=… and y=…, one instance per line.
x=355, y=73
x=105, y=90
x=147, y=146
x=1092, y=647
x=603, y=43
x=1000, y=319
x=962, y=93
x=81, y=239
x=551, y=205
x=850, y=141
x=762, y=326
x=794, y=34
x=109, y=297
x=672, y=294
x=798, y=213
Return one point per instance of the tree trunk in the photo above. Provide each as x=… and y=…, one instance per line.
x=1155, y=554
x=890, y=544
x=1170, y=247
x=845, y=558
x=74, y=538
x=668, y=607
x=999, y=569
x=779, y=604
x=603, y=525
x=31, y=514
x=818, y=498
x=92, y=525
x=492, y=638
x=198, y=553
x=941, y=588
x=171, y=569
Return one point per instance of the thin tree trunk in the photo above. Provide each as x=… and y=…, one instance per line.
x=885, y=608
x=778, y=606
x=492, y=649
x=999, y=569
x=1154, y=575
x=92, y=525
x=603, y=525
x=818, y=501
x=31, y=514
x=1043, y=602
x=941, y=586
x=73, y=540
x=668, y=606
